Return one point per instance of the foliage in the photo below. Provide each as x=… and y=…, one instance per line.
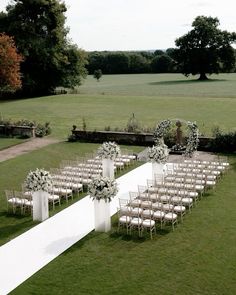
x=158, y=153
x=109, y=150
x=224, y=142
x=133, y=125
x=162, y=64
x=71, y=138
x=205, y=49
x=103, y=188
x=42, y=130
x=84, y=125
x=122, y=62
x=192, y=142
x=40, y=34
x=161, y=129
x=10, y=59
x=38, y=180
x=97, y=74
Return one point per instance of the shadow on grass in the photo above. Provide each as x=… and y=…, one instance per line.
x=188, y=82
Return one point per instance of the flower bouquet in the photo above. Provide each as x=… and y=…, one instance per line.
x=103, y=188
x=109, y=150
x=158, y=154
x=39, y=180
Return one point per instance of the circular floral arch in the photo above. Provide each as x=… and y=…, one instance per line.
x=192, y=141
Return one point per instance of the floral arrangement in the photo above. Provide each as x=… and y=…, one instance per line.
x=39, y=179
x=160, y=131
x=158, y=154
x=193, y=140
x=103, y=188
x=109, y=150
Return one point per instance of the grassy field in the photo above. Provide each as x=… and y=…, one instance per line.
x=151, y=97
x=198, y=258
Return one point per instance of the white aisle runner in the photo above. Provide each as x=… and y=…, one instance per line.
x=29, y=252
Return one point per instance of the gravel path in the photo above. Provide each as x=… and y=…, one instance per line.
x=26, y=147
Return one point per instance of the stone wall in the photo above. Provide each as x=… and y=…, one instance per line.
x=12, y=130
x=143, y=139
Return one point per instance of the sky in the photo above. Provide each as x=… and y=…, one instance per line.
x=138, y=24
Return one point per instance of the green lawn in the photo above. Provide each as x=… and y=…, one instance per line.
x=13, y=173
x=8, y=142
x=151, y=97
x=199, y=257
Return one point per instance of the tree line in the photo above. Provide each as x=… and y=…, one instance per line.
x=132, y=62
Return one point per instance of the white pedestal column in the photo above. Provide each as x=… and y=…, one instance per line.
x=108, y=168
x=40, y=205
x=102, y=216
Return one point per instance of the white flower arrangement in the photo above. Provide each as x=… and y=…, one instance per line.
x=193, y=140
x=103, y=188
x=39, y=179
x=158, y=154
x=161, y=130
x=109, y=150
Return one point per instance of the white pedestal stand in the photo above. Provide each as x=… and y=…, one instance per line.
x=40, y=205
x=102, y=216
x=108, y=168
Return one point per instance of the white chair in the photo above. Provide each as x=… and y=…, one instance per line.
x=11, y=200
x=136, y=223
x=172, y=218
x=123, y=220
x=148, y=224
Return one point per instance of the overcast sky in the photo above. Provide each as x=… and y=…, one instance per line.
x=139, y=24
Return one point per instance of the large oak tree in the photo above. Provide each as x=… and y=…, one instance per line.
x=40, y=34
x=205, y=49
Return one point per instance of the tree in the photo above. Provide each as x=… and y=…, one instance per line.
x=117, y=63
x=10, y=59
x=97, y=74
x=162, y=64
x=40, y=34
x=158, y=52
x=205, y=49
x=138, y=63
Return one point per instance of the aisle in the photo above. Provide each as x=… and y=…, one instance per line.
x=29, y=252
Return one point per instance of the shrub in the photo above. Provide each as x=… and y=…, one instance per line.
x=71, y=138
x=224, y=142
x=133, y=125
x=42, y=130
